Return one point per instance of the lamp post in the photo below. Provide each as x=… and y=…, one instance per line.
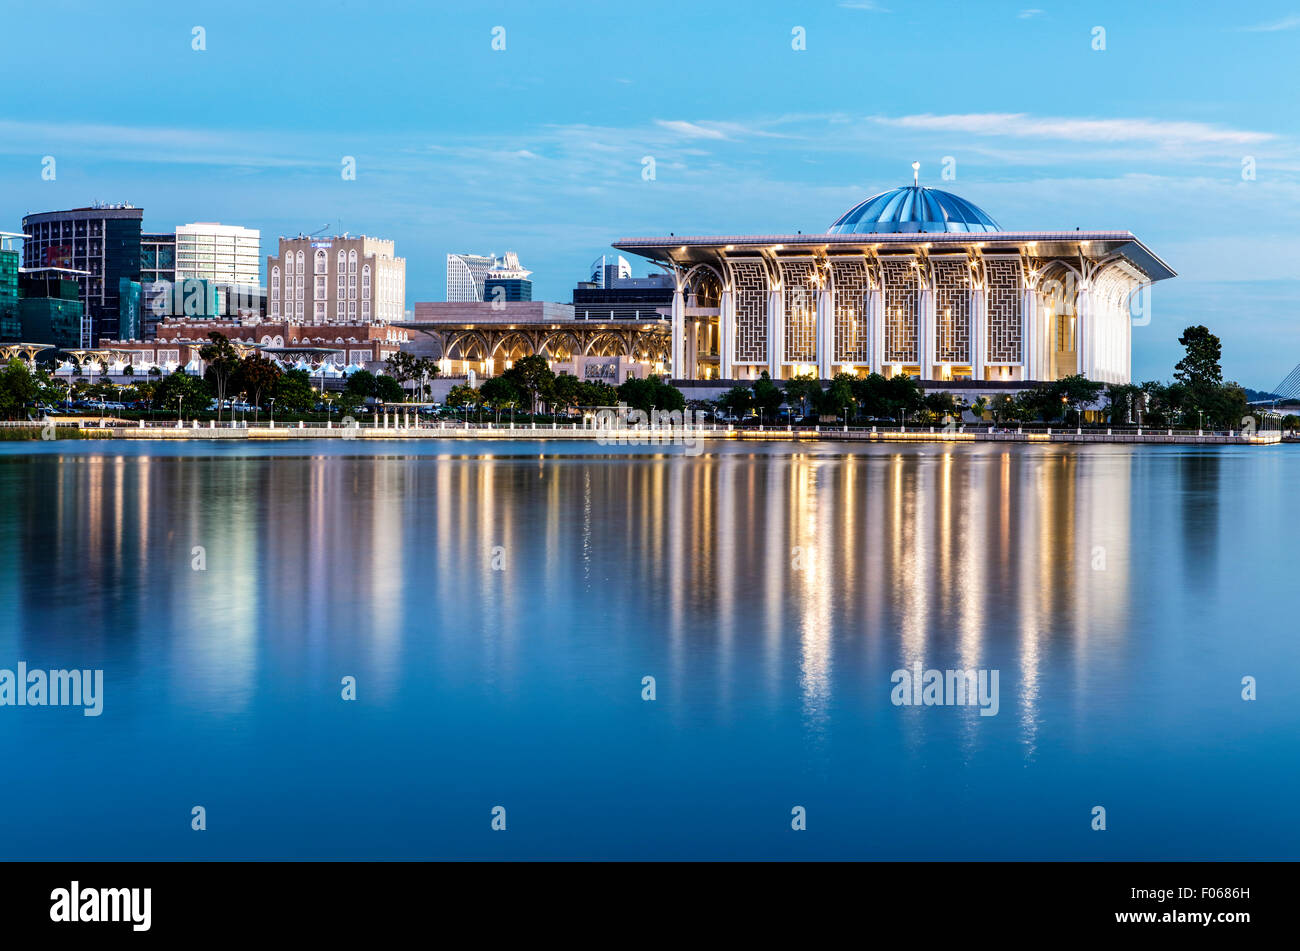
x=273, y=412
x=178, y=411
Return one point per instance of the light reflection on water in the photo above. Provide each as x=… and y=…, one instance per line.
x=499, y=611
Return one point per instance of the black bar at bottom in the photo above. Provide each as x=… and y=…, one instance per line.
x=944, y=901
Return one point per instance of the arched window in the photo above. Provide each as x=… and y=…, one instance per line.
x=301, y=263
x=365, y=282
x=321, y=264
x=275, y=283
x=352, y=262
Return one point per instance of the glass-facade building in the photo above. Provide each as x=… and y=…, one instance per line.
x=10, y=322
x=103, y=241
x=507, y=289
x=49, y=308
x=157, y=258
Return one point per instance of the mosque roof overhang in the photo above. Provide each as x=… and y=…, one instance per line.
x=679, y=251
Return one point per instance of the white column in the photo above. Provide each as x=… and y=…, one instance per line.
x=726, y=333
x=978, y=332
x=1126, y=313
x=775, y=332
x=692, y=338
x=876, y=329
x=1083, y=332
x=925, y=333
x=1029, y=333
x=825, y=333
x=678, y=334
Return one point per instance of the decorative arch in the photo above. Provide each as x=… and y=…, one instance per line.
x=514, y=344
x=560, y=345
x=608, y=343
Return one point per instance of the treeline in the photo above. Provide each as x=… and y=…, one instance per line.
x=530, y=382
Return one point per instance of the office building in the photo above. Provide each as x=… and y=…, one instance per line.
x=49, y=306
x=217, y=253
x=465, y=276
x=102, y=244
x=10, y=259
x=336, y=280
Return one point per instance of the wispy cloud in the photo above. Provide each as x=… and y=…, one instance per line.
x=690, y=129
x=1022, y=125
x=1030, y=14
x=1274, y=26
x=869, y=5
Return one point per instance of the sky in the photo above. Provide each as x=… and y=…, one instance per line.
x=1179, y=128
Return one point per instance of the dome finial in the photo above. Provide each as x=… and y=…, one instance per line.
x=916, y=173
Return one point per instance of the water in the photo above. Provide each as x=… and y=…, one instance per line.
x=1122, y=593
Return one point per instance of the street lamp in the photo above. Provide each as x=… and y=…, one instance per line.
x=273, y=412
x=178, y=411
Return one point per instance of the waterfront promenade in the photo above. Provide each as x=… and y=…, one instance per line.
x=663, y=436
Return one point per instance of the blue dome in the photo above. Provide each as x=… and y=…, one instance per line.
x=912, y=209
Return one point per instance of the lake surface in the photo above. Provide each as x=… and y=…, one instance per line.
x=499, y=611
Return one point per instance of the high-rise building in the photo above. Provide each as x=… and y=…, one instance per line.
x=614, y=294
x=10, y=323
x=465, y=276
x=103, y=243
x=157, y=258
x=608, y=268
x=507, y=280
x=336, y=280
x=222, y=254
x=49, y=306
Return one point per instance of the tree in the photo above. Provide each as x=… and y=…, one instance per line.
x=565, y=391
x=192, y=393
x=1072, y=392
x=499, y=393
x=293, y=392
x=405, y=367
x=1226, y=406
x=737, y=401
x=360, y=384
x=979, y=407
x=400, y=365
x=256, y=377
x=768, y=397
x=940, y=407
x=387, y=390
x=1121, y=403
x=533, y=378
x=222, y=360
x=1005, y=409
x=462, y=394
x=803, y=390
x=650, y=394
x=596, y=393
x=18, y=387
x=1199, y=369
x=839, y=396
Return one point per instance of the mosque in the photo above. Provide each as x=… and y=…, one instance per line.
x=913, y=280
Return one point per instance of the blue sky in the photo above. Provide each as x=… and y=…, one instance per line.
x=538, y=148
